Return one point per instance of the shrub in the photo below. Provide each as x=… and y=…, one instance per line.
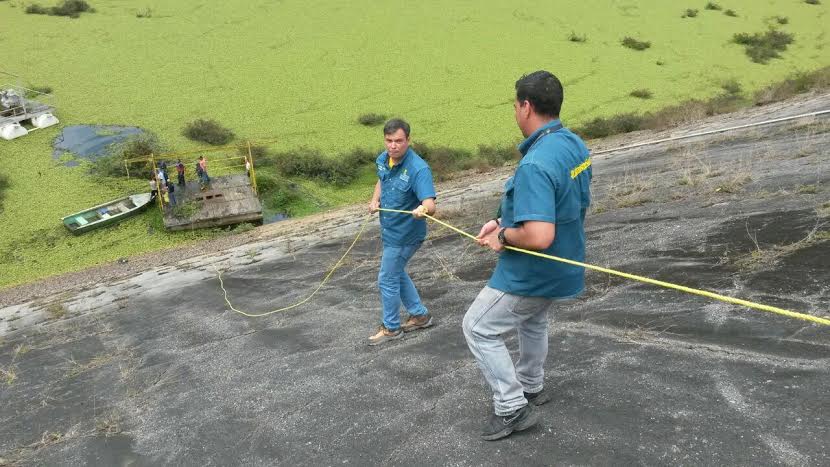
x=260, y=153
x=659, y=63
x=145, y=13
x=35, y=9
x=797, y=84
x=732, y=87
x=442, y=159
x=208, y=131
x=4, y=184
x=308, y=163
x=641, y=93
x=761, y=47
x=730, y=13
x=277, y=193
x=781, y=20
x=357, y=158
x=574, y=37
x=689, y=13
x=812, y=2
x=602, y=127
x=712, y=6
x=35, y=91
x=70, y=8
x=635, y=44
x=496, y=156
x=727, y=102
x=371, y=119
x=112, y=165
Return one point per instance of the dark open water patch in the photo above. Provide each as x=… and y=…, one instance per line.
x=269, y=217
x=90, y=142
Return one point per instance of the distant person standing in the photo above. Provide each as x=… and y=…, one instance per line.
x=404, y=183
x=153, y=187
x=163, y=169
x=248, y=167
x=180, y=173
x=542, y=209
x=171, y=192
x=203, y=171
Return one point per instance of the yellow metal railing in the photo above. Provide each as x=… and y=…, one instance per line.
x=221, y=165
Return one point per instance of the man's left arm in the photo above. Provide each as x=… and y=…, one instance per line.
x=534, y=210
x=425, y=191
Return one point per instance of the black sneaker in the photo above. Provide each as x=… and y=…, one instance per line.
x=537, y=398
x=500, y=426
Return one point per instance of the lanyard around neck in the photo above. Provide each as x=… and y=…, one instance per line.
x=548, y=131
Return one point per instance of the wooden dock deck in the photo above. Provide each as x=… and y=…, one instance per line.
x=228, y=200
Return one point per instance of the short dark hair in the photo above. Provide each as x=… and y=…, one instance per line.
x=543, y=90
x=394, y=125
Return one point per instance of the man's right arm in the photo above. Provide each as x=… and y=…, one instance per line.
x=374, y=204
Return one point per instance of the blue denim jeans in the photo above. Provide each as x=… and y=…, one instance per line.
x=494, y=313
x=396, y=287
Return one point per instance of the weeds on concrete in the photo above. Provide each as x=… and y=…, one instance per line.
x=56, y=310
x=76, y=369
x=760, y=257
x=8, y=375
x=630, y=190
x=109, y=425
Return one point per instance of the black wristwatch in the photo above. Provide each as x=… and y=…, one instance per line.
x=502, y=238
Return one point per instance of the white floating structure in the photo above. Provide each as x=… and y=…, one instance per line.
x=16, y=108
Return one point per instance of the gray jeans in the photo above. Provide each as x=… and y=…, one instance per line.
x=494, y=313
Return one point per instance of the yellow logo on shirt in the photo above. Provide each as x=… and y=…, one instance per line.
x=581, y=168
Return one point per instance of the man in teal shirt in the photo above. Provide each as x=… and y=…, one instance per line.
x=405, y=184
x=543, y=208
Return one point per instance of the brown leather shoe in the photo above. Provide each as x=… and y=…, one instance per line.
x=384, y=335
x=417, y=322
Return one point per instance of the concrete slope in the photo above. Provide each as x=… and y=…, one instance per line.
x=154, y=369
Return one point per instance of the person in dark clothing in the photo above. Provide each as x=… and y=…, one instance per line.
x=171, y=192
x=180, y=173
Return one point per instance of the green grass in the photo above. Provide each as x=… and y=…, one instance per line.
x=300, y=73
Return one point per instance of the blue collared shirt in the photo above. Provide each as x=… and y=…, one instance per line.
x=551, y=184
x=403, y=187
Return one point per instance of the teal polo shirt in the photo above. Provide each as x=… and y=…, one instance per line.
x=551, y=184
x=403, y=187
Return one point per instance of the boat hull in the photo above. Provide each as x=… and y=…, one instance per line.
x=106, y=214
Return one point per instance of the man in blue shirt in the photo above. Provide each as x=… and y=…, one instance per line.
x=404, y=183
x=543, y=209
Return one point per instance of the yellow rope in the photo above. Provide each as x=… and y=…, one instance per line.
x=325, y=279
x=704, y=293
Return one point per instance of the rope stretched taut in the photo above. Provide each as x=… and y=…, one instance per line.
x=647, y=280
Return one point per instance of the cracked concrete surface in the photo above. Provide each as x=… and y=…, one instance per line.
x=153, y=369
